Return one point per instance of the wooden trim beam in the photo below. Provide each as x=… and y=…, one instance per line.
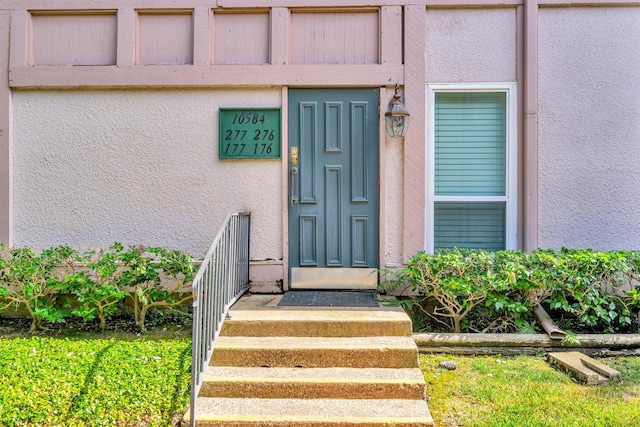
x=5, y=131
x=241, y=4
x=415, y=17
x=297, y=4
x=470, y=4
x=364, y=3
x=204, y=76
x=284, y=176
x=521, y=167
x=382, y=180
x=587, y=3
x=93, y=5
x=458, y=340
x=530, y=123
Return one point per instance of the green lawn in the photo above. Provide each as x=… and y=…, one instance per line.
x=93, y=382
x=526, y=392
x=124, y=381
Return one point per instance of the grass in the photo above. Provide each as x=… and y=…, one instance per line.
x=89, y=379
x=79, y=381
x=526, y=392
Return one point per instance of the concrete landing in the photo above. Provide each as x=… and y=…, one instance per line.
x=583, y=368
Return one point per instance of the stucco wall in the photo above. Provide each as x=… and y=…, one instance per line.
x=589, y=128
x=140, y=167
x=394, y=201
x=470, y=45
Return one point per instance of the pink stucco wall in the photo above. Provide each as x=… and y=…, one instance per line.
x=582, y=188
x=589, y=127
x=470, y=45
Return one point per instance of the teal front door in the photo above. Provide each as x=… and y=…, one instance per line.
x=333, y=188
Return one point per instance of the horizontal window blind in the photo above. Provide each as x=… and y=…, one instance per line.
x=470, y=143
x=473, y=225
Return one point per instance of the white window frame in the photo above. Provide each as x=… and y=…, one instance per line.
x=511, y=190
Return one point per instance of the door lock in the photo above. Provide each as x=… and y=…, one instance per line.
x=294, y=155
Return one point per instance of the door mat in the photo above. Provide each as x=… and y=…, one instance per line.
x=328, y=299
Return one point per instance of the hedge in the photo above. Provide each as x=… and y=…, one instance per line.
x=597, y=290
x=100, y=282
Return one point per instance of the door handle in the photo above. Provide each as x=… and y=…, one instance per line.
x=293, y=171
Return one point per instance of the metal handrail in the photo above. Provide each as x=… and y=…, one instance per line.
x=222, y=278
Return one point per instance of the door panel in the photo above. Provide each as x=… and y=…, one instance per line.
x=333, y=208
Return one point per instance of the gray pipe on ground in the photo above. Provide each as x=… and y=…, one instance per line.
x=547, y=324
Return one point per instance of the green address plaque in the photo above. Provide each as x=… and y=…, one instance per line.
x=249, y=133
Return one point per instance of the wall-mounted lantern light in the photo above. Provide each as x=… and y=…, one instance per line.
x=396, y=118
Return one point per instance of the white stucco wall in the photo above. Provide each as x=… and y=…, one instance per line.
x=589, y=128
x=470, y=45
x=394, y=202
x=139, y=167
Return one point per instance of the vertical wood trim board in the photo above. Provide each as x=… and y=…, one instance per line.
x=520, y=88
x=531, y=125
x=415, y=101
x=127, y=39
x=382, y=183
x=201, y=36
x=280, y=35
x=284, y=173
x=20, y=39
x=5, y=130
x=391, y=44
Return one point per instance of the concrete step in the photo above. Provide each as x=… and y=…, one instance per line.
x=222, y=412
x=314, y=383
x=316, y=352
x=315, y=367
x=317, y=322
x=584, y=368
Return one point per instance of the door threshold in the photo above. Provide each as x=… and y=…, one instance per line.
x=333, y=278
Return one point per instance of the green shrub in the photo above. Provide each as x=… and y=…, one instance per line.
x=514, y=288
x=31, y=281
x=145, y=275
x=586, y=285
x=96, y=287
x=590, y=287
x=455, y=279
x=99, y=280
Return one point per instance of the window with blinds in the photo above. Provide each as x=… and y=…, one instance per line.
x=470, y=143
x=477, y=225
